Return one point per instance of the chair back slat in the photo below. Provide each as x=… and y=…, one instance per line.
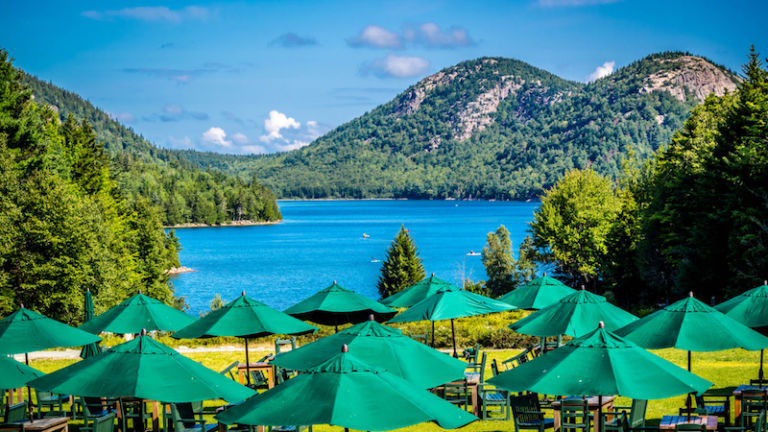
x=637, y=413
x=105, y=423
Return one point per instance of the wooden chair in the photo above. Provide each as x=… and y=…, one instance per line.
x=691, y=427
x=527, y=413
x=471, y=355
x=753, y=402
x=289, y=428
x=49, y=400
x=279, y=343
x=490, y=396
x=574, y=415
x=456, y=393
x=758, y=425
x=16, y=413
x=105, y=423
x=632, y=417
x=94, y=408
x=228, y=370
x=188, y=421
x=134, y=410
x=715, y=405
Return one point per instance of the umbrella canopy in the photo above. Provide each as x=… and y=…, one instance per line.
x=25, y=331
x=416, y=293
x=380, y=346
x=144, y=369
x=244, y=317
x=14, y=374
x=451, y=304
x=337, y=305
x=749, y=308
x=538, y=293
x=601, y=363
x=691, y=325
x=345, y=391
x=92, y=349
x=573, y=315
x=138, y=313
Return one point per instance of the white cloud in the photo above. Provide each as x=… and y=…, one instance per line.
x=293, y=145
x=240, y=139
x=180, y=143
x=253, y=149
x=373, y=36
x=215, y=136
x=275, y=123
x=430, y=35
x=570, y=3
x=151, y=14
x=602, y=71
x=124, y=117
x=396, y=66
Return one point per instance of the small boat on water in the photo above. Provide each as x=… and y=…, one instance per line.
x=365, y=235
x=374, y=260
x=473, y=253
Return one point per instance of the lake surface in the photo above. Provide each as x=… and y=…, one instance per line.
x=321, y=241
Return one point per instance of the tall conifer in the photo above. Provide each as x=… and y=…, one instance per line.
x=402, y=267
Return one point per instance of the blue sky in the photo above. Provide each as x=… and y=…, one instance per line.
x=255, y=77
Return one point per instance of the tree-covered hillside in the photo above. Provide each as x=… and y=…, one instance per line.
x=495, y=128
x=183, y=192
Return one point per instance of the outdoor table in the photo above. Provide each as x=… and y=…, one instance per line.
x=155, y=412
x=737, y=397
x=46, y=424
x=593, y=409
x=472, y=379
x=668, y=422
x=268, y=368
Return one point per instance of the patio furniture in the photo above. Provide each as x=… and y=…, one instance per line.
x=490, y=396
x=228, y=370
x=456, y=393
x=716, y=405
x=49, y=400
x=421, y=337
x=753, y=402
x=759, y=425
x=184, y=419
x=134, y=410
x=48, y=424
x=627, y=418
x=527, y=413
x=16, y=413
x=280, y=343
x=574, y=415
x=690, y=427
x=670, y=422
x=737, y=397
x=105, y=423
x=94, y=408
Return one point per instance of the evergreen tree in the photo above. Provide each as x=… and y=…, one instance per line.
x=402, y=266
x=498, y=261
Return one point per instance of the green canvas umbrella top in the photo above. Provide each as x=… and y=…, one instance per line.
x=601, y=363
x=138, y=313
x=91, y=349
x=450, y=304
x=337, y=305
x=418, y=292
x=345, y=391
x=573, y=315
x=244, y=317
x=380, y=346
x=145, y=369
x=25, y=331
x=749, y=308
x=538, y=293
x=691, y=325
x=14, y=374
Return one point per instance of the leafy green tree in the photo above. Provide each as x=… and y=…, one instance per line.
x=402, y=267
x=503, y=270
x=571, y=227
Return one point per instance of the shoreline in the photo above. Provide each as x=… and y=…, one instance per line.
x=179, y=270
x=406, y=199
x=221, y=225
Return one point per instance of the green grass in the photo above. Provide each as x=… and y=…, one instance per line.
x=727, y=369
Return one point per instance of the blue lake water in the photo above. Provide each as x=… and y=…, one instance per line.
x=321, y=241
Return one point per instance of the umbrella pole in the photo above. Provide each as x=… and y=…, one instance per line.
x=453, y=336
x=247, y=364
x=29, y=391
x=433, y=334
x=760, y=374
x=688, y=403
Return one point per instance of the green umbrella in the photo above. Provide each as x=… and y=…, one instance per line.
x=383, y=347
x=416, y=293
x=601, y=363
x=246, y=318
x=337, y=305
x=92, y=349
x=146, y=369
x=538, y=293
x=573, y=315
x=450, y=304
x=751, y=309
x=691, y=325
x=138, y=313
x=14, y=374
x=345, y=391
x=25, y=331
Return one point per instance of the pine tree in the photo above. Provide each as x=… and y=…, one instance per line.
x=498, y=261
x=402, y=267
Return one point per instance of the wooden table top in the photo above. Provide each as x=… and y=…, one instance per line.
x=44, y=423
x=668, y=422
x=744, y=387
x=592, y=401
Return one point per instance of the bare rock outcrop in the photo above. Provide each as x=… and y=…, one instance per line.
x=693, y=74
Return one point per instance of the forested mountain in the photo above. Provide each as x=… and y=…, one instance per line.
x=183, y=192
x=494, y=128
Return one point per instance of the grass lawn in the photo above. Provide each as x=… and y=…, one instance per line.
x=727, y=369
